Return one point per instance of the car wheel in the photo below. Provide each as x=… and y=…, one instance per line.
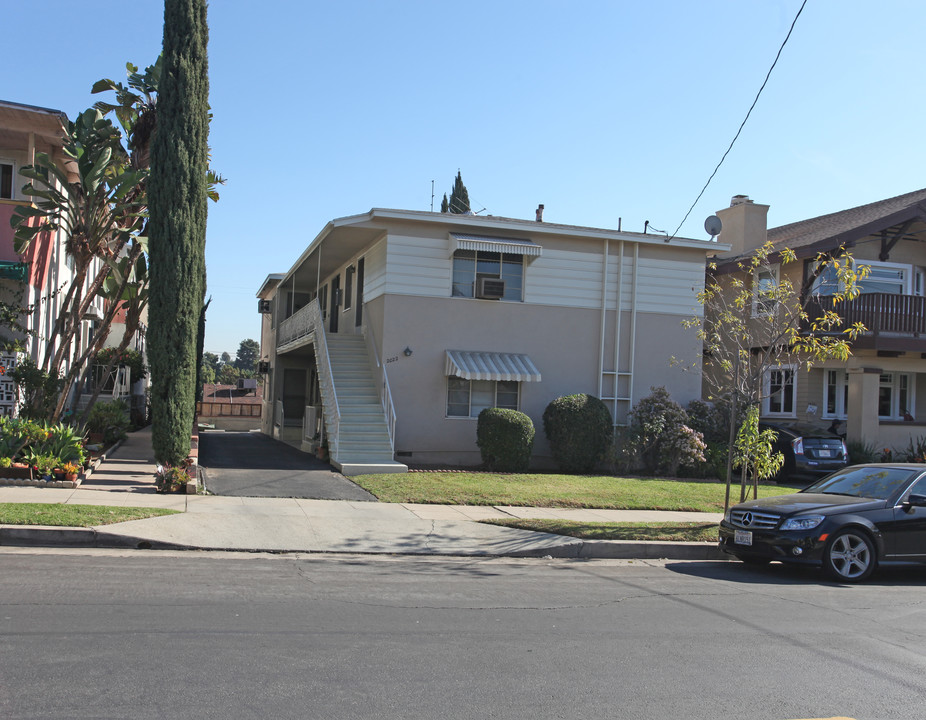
x=849, y=556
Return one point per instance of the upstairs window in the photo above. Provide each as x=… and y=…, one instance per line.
x=888, y=278
x=6, y=180
x=471, y=266
x=764, y=289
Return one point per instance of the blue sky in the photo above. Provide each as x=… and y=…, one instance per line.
x=599, y=110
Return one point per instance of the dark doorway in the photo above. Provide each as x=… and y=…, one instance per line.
x=335, y=303
x=358, y=313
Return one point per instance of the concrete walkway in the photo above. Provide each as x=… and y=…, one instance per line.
x=208, y=522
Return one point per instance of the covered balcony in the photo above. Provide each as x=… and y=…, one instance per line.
x=893, y=322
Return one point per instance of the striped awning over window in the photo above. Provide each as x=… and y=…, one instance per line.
x=494, y=244
x=474, y=365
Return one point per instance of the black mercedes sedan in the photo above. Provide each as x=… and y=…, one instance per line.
x=846, y=523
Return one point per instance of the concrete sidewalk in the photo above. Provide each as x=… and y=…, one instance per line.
x=209, y=522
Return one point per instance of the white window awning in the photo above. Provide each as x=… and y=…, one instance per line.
x=474, y=365
x=494, y=244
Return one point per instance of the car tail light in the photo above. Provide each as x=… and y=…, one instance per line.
x=797, y=445
x=845, y=450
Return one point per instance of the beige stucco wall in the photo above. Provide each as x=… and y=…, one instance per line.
x=562, y=342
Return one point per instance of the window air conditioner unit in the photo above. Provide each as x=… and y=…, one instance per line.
x=263, y=307
x=490, y=288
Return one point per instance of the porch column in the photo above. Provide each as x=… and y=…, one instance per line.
x=862, y=421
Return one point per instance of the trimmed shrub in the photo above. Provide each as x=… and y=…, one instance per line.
x=505, y=439
x=578, y=428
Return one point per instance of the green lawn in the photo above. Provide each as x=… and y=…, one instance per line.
x=665, y=531
x=542, y=490
x=59, y=514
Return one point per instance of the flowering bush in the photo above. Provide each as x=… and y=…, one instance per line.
x=660, y=435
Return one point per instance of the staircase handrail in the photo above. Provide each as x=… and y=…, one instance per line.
x=325, y=376
x=385, y=393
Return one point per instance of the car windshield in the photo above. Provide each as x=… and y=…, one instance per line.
x=867, y=482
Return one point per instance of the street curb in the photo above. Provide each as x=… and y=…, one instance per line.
x=52, y=536
x=48, y=536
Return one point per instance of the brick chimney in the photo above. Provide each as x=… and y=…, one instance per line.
x=540, y=213
x=745, y=225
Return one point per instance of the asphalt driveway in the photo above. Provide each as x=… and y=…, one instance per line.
x=247, y=464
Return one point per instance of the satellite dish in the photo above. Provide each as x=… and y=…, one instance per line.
x=713, y=226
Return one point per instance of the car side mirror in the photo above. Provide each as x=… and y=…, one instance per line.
x=913, y=500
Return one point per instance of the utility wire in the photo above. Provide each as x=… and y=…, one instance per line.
x=742, y=124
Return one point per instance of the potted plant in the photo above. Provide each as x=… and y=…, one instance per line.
x=172, y=478
x=70, y=471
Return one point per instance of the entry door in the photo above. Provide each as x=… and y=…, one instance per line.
x=335, y=303
x=293, y=395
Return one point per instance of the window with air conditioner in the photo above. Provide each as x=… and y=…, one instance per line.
x=489, y=275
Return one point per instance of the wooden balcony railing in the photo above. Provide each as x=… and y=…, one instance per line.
x=880, y=313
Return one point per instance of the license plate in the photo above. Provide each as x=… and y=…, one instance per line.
x=825, y=453
x=742, y=537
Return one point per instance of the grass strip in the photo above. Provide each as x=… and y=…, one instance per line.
x=665, y=531
x=62, y=515
x=549, y=490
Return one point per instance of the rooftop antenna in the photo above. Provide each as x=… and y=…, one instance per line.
x=713, y=226
x=432, y=196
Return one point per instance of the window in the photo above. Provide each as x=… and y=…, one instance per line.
x=895, y=396
x=890, y=278
x=467, y=398
x=765, y=285
x=6, y=180
x=835, y=394
x=469, y=266
x=778, y=392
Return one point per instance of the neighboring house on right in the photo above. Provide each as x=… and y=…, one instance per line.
x=880, y=393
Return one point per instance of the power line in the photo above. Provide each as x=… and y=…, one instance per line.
x=742, y=124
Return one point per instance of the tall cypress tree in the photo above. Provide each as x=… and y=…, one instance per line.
x=177, y=226
x=459, y=198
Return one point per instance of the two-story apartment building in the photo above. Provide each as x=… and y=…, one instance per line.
x=880, y=393
x=398, y=327
x=38, y=279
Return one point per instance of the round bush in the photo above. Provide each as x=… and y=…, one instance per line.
x=578, y=428
x=505, y=439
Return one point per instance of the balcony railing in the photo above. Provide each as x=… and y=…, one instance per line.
x=297, y=326
x=882, y=314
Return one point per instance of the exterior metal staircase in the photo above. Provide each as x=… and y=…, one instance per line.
x=358, y=433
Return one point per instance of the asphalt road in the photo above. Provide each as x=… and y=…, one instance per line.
x=174, y=635
x=254, y=465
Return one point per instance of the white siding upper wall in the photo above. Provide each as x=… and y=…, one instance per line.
x=374, y=271
x=565, y=278
x=418, y=266
x=667, y=286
